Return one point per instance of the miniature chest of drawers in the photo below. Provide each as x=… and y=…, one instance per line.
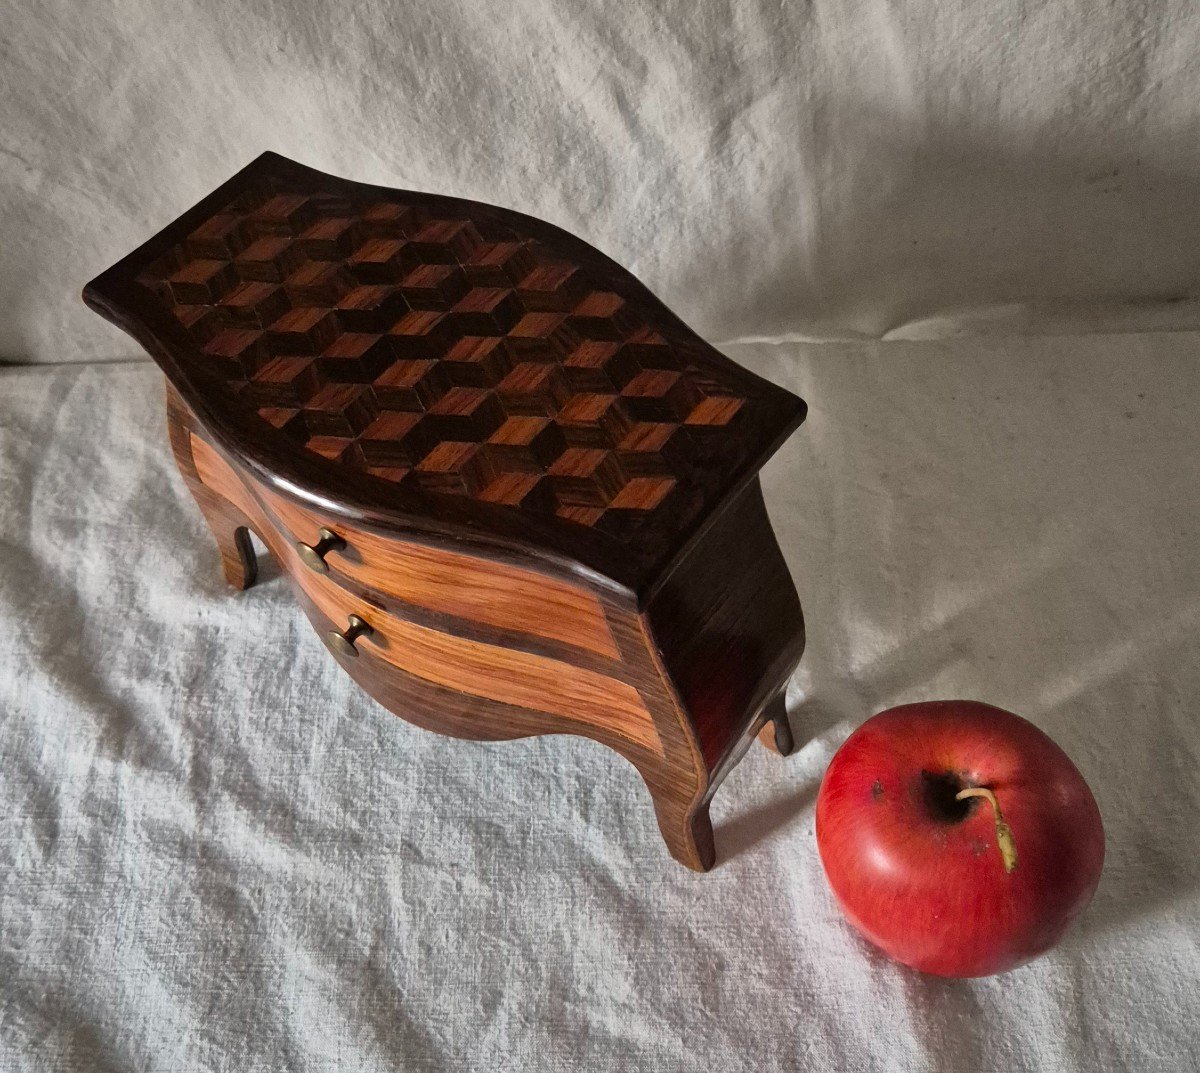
x=513, y=492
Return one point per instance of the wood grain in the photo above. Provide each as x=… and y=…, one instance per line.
x=545, y=482
x=513, y=678
x=729, y=624
x=454, y=583
x=691, y=738
x=419, y=360
x=674, y=773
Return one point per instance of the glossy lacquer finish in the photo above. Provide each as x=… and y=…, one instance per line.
x=512, y=490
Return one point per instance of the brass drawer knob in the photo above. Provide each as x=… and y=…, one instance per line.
x=314, y=554
x=342, y=641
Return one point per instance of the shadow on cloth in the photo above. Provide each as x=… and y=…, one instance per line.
x=1031, y=230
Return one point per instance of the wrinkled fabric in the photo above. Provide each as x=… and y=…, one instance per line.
x=770, y=168
x=218, y=854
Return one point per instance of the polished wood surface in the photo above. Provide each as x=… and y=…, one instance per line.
x=665, y=751
x=729, y=623
x=484, y=670
x=510, y=489
x=429, y=363
x=683, y=744
x=448, y=581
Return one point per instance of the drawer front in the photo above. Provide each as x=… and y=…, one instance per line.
x=454, y=583
x=522, y=679
x=491, y=671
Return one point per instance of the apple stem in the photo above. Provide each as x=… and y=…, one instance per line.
x=1004, y=835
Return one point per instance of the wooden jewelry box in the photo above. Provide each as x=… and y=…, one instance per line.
x=514, y=493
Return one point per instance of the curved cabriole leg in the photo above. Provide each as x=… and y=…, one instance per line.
x=776, y=733
x=238, y=561
x=228, y=525
x=729, y=628
x=784, y=742
x=687, y=831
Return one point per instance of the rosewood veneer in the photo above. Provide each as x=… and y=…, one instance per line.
x=514, y=493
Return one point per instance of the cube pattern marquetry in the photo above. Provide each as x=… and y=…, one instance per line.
x=445, y=350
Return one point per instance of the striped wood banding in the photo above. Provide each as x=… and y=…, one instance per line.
x=456, y=584
x=485, y=670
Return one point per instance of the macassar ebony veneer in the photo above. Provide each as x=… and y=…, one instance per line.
x=513, y=492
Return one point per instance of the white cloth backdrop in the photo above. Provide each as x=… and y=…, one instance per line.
x=770, y=167
x=218, y=854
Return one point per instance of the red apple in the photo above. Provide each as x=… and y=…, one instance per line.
x=958, y=837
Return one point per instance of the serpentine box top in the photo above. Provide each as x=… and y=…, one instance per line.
x=429, y=364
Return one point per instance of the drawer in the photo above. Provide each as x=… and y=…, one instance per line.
x=454, y=583
x=491, y=671
x=522, y=679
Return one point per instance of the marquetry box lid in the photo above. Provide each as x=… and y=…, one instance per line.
x=424, y=363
